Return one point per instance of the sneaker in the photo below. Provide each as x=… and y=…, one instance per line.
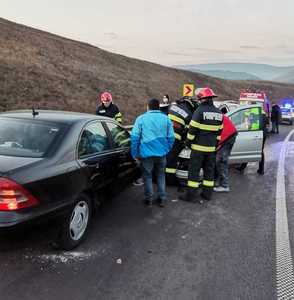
x=221, y=189
x=138, y=182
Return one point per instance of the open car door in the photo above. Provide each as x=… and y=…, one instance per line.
x=248, y=145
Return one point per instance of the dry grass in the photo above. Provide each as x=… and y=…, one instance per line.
x=46, y=71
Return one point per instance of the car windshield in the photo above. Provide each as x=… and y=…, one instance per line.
x=285, y=110
x=23, y=138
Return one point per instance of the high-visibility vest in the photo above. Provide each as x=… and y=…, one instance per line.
x=254, y=118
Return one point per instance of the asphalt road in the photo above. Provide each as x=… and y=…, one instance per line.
x=224, y=249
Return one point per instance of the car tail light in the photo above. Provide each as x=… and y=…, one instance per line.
x=13, y=196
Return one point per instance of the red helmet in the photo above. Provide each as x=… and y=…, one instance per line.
x=205, y=93
x=106, y=97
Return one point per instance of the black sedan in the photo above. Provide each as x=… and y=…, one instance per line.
x=59, y=164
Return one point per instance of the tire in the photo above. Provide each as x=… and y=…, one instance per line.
x=76, y=224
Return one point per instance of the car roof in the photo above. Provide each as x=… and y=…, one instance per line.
x=64, y=117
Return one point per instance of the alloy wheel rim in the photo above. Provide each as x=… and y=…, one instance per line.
x=79, y=220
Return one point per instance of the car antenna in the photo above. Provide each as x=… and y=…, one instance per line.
x=35, y=113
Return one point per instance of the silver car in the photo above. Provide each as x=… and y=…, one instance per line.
x=248, y=145
x=287, y=115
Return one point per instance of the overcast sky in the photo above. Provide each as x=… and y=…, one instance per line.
x=169, y=31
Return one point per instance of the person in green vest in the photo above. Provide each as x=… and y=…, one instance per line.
x=257, y=121
x=253, y=118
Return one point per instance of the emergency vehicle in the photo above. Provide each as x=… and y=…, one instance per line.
x=247, y=98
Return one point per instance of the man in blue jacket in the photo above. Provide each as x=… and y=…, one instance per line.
x=152, y=138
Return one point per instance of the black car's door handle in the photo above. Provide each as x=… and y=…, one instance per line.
x=92, y=163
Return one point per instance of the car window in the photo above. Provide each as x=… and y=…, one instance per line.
x=120, y=136
x=93, y=140
x=232, y=107
x=247, y=119
x=23, y=138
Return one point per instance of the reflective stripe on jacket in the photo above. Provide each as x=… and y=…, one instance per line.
x=180, y=114
x=205, y=127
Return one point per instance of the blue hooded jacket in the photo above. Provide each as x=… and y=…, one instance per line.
x=152, y=135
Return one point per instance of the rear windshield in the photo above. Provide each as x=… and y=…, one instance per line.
x=25, y=138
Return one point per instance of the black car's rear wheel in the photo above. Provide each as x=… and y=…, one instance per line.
x=76, y=224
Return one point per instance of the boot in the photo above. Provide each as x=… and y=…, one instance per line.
x=190, y=196
x=206, y=195
x=181, y=189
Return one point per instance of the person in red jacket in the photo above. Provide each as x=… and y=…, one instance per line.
x=225, y=145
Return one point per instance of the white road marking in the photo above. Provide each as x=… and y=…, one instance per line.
x=284, y=263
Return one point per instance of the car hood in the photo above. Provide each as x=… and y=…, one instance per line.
x=11, y=163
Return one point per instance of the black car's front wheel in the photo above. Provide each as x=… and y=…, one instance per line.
x=76, y=224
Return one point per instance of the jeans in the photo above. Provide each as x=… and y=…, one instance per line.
x=275, y=126
x=154, y=165
x=222, y=164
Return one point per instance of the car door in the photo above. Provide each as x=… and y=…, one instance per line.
x=121, y=144
x=248, y=145
x=95, y=155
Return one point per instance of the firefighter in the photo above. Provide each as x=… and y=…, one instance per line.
x=180, y=113
x=204, y=132
x=108, y=109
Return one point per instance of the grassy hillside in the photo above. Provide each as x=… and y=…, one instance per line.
x=261, y=71
x=47, y=71
x=288, y=77
x=228, y=75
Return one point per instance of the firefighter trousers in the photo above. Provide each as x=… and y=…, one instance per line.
x=172, y=162
x=206, y=161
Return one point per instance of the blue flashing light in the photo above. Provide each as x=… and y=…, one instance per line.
x=288, y=105
x=287, y=102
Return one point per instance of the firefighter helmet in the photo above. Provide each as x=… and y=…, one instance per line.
x=165, y=101
x=106, y=97
x=204, y=93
